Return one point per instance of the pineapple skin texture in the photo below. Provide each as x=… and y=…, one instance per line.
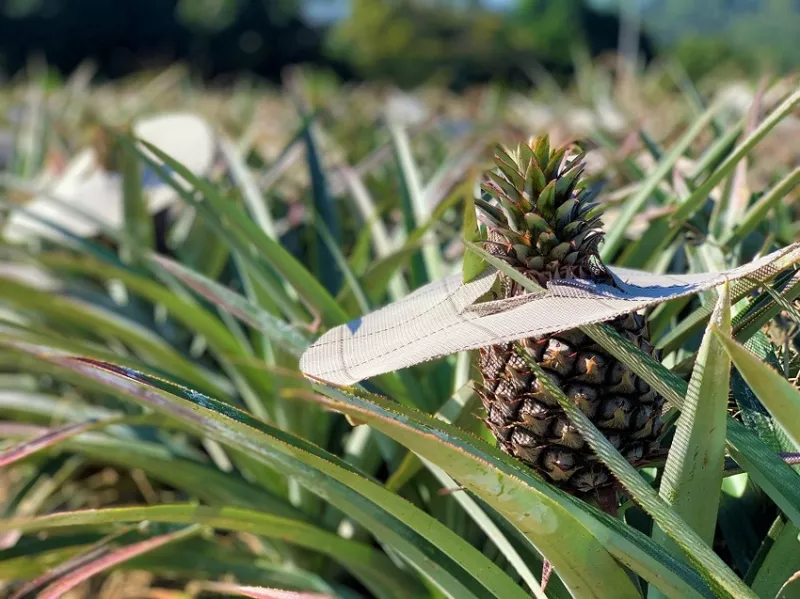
x=545, y=225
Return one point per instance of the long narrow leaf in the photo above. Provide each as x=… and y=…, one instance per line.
x=282, y=333
x=447, y=560
x=633, y=206
x=368, y=564
x=777, y=394
x=49, y=439
x=693, y=473
x=74, y=578
x=544, y=514
x=771, y=473
x=294, y=272
x=693, y=203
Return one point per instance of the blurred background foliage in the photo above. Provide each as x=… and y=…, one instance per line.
x=406, y=42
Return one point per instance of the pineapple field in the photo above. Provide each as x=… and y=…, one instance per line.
x=337, y=340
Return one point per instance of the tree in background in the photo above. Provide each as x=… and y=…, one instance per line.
x=457, y=42
x=756, y=35
x=411, y=41
x=211, y=36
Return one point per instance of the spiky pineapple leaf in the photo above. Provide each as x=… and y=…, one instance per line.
x=231, y=351
x=197, y=479
x=138, y=223
x=695, y=200
x=336, y=256
x=541, y=149
x=456, y=408
x=369, y=565
x=543, y=513
x=200, y=558
x=693, y=473
x=326, y=217
x=756, y=314
x=90, y=319
x=112, y=558
x=416, y=205
x=756, y=214
x=382, y=275
x=772, y=474
x=777, y=394
x=231, y=222
x=488, y=526
x=447, y=560
x=473, y=265
x=286, y=336
x=615, y=236
x=780, y=565
x=50, y=438
x=502, y=266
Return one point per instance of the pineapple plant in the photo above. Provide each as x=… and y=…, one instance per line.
x=544, y=224
x=174, y=413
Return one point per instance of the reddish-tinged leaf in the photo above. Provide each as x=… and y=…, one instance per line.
x=51, y=437
x=278, y=330
x=76, y=577
x=229, y=588
x=74, y=562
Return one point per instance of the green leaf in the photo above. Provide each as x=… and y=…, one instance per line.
x=541, y=149
x=748, y=320
x=196, y=559
x=771, y=473
x=546, y=202
x=752, y=412
x=326, y=215
x=95, y=320
x=615, y=237
x=197, y=479
x=367, y=564
x=780, y=565
x=541, y=512
x=473, y=265
x=503, y=267
x=381, y=274
x=456, y=408
x=283, y=334
x=238, y=357
x=693, y=203
x=50, y=438
x=693, y=473
x=294, y=272
x=336, y=257
x=777, y=394
x=86, y=570
x=417, y=203
x=447, y=560
x=138, y=222
x=756, y=214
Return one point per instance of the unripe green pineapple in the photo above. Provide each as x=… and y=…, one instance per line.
x=545, y=226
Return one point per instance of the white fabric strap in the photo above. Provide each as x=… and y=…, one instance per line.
x=442, y=318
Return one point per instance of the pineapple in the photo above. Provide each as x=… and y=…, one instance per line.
x=546, y=227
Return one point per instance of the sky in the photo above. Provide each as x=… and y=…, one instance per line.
x=328, y=10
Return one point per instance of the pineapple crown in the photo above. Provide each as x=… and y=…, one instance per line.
x=543, y=221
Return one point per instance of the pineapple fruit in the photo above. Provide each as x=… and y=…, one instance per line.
x=545, y=226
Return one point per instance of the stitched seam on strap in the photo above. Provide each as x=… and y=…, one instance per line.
x=398, y=324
